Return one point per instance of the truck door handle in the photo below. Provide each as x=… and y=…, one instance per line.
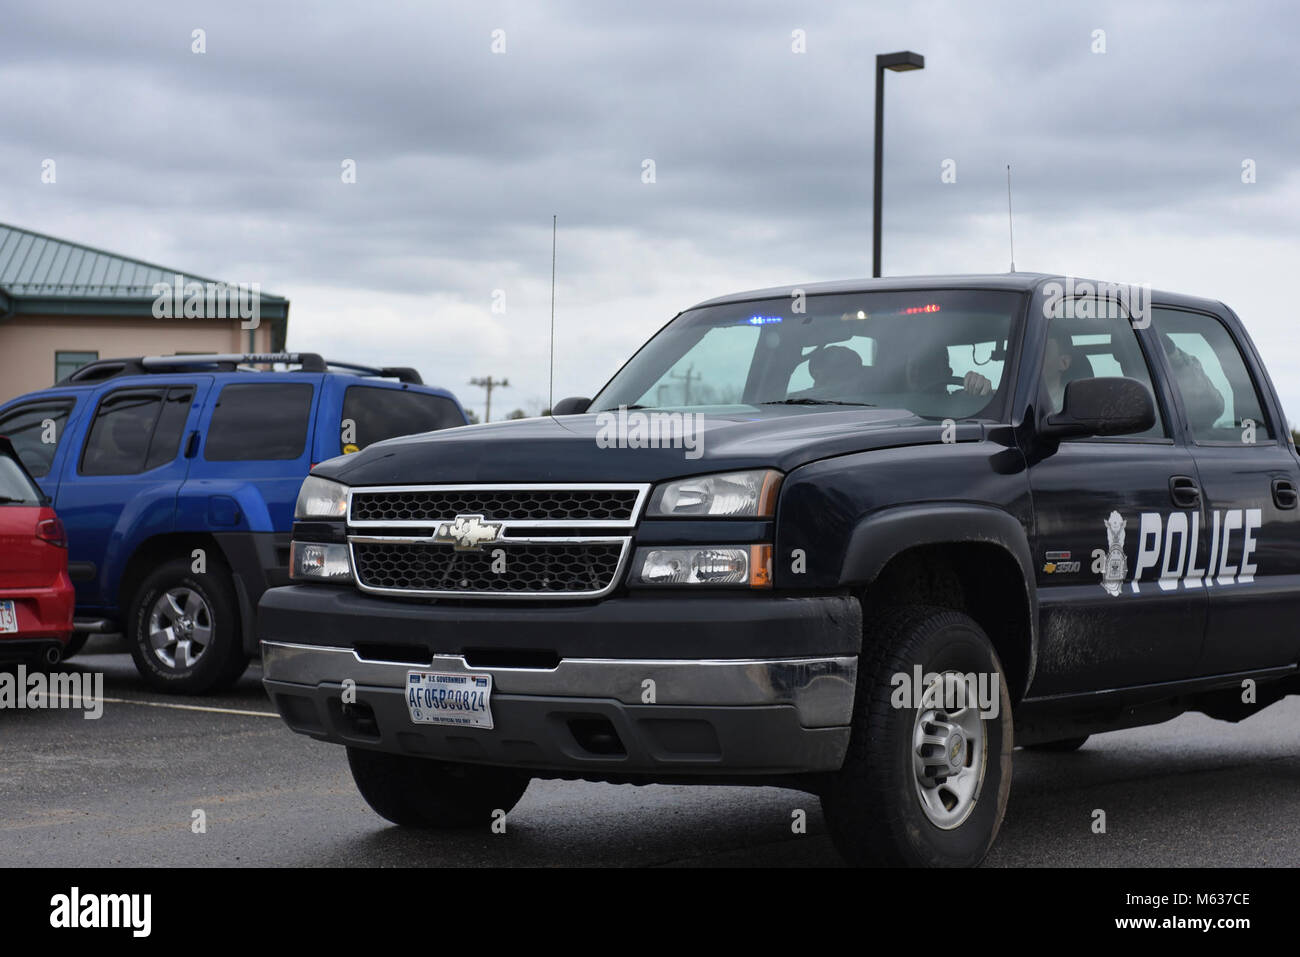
x=1184, y=492
x=1284, y=493
x=192, y=445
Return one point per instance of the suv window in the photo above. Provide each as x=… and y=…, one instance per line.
x=259, y=421
x=36, y=429
x=375, y=413
x=15, y=487
x=135, y=430
x=1211, y=377
x=1084, y=348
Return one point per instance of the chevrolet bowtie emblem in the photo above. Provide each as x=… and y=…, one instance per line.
x=468, y=533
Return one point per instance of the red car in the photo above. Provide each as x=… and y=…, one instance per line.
x=36, y=597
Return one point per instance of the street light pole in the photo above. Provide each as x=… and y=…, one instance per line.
x=899, y=63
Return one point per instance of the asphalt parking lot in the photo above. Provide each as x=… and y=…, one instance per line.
x=123, y=789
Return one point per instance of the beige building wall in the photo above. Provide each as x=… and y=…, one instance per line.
x=28, y=343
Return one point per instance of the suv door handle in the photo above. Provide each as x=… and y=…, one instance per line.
x=192, y=445
x=1184, y=491
x=1284, y=493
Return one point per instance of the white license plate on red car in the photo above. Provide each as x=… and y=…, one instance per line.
x=8, y=617
x=436, y=697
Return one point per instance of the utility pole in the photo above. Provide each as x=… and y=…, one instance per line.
x=688, y=377
x=488, y=383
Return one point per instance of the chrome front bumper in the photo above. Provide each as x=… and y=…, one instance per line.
x=742, y=716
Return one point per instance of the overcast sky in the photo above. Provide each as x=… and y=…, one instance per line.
x=1127, y=164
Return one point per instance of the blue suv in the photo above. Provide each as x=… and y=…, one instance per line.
x=176, y=478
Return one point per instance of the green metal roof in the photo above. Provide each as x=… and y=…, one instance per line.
x=44, y=275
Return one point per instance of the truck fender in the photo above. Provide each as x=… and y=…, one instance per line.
x=880, y=536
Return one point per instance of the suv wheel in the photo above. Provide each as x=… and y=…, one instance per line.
x=421, y=792
x=926, y=777
x=183, y=629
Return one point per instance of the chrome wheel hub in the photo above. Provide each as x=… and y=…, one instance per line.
x=949, y=750
x=180, y=627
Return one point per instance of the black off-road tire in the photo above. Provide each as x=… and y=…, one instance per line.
x=423, y=793
x=222, y=660
x=872, y=805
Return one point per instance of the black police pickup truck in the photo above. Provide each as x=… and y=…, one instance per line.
x=856, y=538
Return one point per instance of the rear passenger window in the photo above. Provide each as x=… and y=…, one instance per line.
x=1212, y=378
x=259, y=421
x=372, y=414
x=118, y=443
x=171, y=425
x=36, y=429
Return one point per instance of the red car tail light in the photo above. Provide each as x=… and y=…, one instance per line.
x=51, y=530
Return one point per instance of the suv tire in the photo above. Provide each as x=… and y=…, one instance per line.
x=183, y=629
x=888, y=806
x=422, y=792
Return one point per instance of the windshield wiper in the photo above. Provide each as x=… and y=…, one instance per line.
x=816, y=402
x=9, y=500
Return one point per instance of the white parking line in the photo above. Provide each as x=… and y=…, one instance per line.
x=168, y=704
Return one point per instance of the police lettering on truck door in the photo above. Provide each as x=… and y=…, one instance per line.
x=1169, y=547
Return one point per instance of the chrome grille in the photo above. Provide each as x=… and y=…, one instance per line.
x=516, y=505
x=562, y=569
x=542, y=541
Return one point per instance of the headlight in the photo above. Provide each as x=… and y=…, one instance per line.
x=321, y=498
x=750, y=494
x=318, y=562
x=704, y=565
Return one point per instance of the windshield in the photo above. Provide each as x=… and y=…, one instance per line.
x=936, y=353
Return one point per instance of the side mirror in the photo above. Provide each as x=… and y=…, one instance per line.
x=570, y=406
x=1102, y=406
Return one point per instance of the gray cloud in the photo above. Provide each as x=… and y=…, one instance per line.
x=228, y=163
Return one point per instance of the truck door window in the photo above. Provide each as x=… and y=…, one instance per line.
x=1096, y=346
x=1211, y=377
x=36, y=429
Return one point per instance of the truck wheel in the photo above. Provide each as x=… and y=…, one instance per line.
x=1065, y=744
x=183, y=629
x=927, y=774
x=421, y=792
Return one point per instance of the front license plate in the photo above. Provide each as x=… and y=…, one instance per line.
x=435, y=697
x=8, y=617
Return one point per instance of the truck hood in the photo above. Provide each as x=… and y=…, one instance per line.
x=577, y=448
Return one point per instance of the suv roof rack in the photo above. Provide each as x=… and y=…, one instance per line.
x=102, y=369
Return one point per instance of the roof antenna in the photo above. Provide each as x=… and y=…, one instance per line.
x=1010, y=228
x=550, y=395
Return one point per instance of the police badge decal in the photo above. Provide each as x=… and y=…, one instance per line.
x=1115, y=569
